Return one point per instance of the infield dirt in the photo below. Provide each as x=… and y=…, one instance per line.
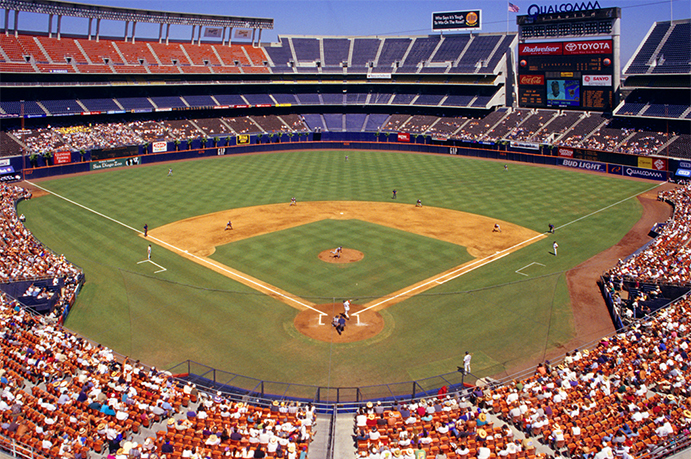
x=197, y=238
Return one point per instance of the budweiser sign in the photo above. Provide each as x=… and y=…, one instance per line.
x=540, y=49
x=588, y=47
x=532, y=79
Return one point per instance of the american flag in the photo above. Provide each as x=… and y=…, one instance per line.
x=513, y=8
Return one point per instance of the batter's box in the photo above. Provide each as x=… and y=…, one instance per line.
x=520, y=271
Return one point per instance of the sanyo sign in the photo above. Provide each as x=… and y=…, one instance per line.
x=534, y=10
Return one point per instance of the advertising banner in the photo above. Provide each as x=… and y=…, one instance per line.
x=115, y=162
x=585, y=165
x=645, y=162
x=242, y=139
x=531, y=80
x=644, y=173
x=159, y=147
x=660, y=164
x=5, y=162
x=540, y=49
x=684, y=173
x=6, y=170
x=62, y=157
x=404, y=137
x=597, y=80
x=615, y=169
x=565, y=152
x=454, y=20
x=526, y=145
x=588, y=47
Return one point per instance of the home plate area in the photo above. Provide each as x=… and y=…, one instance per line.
x=358, y=327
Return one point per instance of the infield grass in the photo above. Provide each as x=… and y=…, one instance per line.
x=393, y=259
x=190, y=312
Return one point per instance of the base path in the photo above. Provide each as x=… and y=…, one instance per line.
x=196, y=238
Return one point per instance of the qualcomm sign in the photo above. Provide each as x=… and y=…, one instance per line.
x=534, y=10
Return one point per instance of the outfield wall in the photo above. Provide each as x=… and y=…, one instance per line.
x=601, y=162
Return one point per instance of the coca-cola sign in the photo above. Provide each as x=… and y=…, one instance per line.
x=540, y=49
x=588, y=47
x=532, y=79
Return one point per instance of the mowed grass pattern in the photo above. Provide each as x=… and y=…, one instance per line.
x=393, y=259
x=190, y=312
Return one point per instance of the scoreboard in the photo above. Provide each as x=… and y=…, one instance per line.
x=568, y=74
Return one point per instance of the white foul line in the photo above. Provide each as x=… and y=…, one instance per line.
x=155, y=272
x=460, y=271
x=200, y=259
x=518, y=271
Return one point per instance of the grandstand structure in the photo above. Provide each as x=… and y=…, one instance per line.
x=451, y=90
x=657, y=79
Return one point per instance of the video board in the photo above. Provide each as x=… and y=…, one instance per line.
x=569, y=74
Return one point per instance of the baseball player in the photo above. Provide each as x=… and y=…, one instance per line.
x=555, y=246
x=551, y=228
x=466, y=362
x=497, y=228
x=346, y=308
x=229, y=225
x=419, y=203
x=293, y=201
x=170, y=172
x=146, y=230
x=394, y=194
x=148, y=252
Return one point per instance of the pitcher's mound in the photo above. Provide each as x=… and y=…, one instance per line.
x=308, y=323
x=347, y=256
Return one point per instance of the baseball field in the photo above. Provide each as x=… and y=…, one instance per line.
x=427, y=283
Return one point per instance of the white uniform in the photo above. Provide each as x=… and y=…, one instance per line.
x=555, y=246
x=346, y=308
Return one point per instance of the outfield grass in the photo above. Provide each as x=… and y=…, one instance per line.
x=394, y=259
x=190, y=312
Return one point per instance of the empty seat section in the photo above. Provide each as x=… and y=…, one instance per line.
x=168, y=102
x=230, y=99
x=100, y=51
x=280, y=55
x=259, y=99
x=60, y=50
x=306, y=49
x=62, y=106
x=429, y=99
x=403, y=99
x=202, y=54
x=334, y=121
x=15, y=107
x=314, y=121
x=30, y=47
x=356, y=98
x=458, y=100
x=364, y=52
x=170, y=54
x=199, y=101
x=639, y=63
x=14, y=50
x=16, y=67
x=450, y=49
x=335, y=51
x=420, y=51
x=332, y=98
x=375, y=122
x=478, y=51
x=675, y=54
x=100, y=105
x=136, y=53
x=380, y=98
x=355, y=121
x=309, y=99
x=392, y=51
x=286, y=99
x=134, y=103
x=232, y=55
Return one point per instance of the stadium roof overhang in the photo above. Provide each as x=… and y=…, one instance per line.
x=81, y=10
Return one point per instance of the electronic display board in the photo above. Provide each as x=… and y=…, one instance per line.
x=457, y=20
x=570, y=74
